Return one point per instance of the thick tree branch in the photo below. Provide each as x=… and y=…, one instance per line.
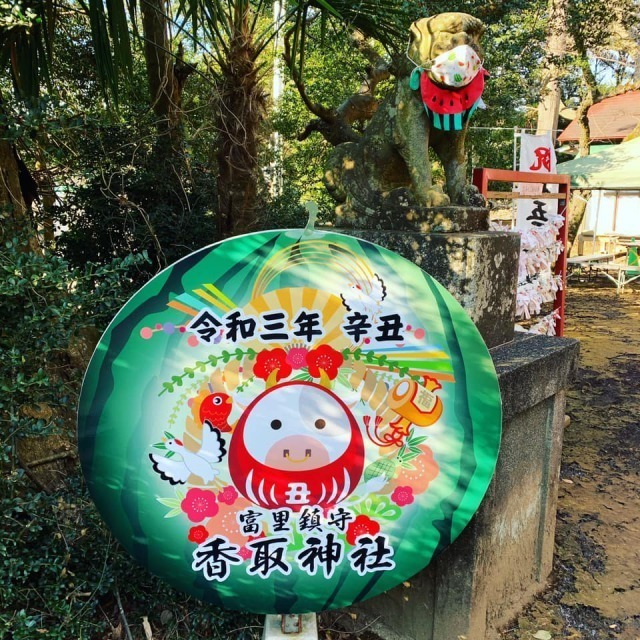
x=550, y=93
x=590, y=97
x=335, y=125
x=318, y=110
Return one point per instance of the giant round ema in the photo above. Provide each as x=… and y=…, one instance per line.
x=286, y=422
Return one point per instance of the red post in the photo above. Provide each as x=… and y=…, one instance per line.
x=481, y=180
x=481, y=177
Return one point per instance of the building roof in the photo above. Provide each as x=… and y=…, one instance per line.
x=616, y=168
x=613, y=118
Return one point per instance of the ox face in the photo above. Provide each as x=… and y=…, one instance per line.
x=298, y=426
x=296, y=444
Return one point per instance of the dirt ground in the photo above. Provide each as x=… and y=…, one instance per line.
x=595, y=589
x=594, y=592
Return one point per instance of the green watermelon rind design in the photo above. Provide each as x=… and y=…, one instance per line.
x=118, y=400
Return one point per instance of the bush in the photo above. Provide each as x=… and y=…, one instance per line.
x=61, y=573
x=137, y=198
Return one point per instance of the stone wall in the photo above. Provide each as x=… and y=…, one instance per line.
x=505, y=554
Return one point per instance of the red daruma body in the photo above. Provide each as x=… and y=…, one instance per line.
x=296, y=444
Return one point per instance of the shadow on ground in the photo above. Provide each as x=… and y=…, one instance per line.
x=595, y=589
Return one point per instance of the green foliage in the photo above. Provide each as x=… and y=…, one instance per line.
x=514, y=47
x=61, y=573
x=27, y=43
x=118, y=189
x=334, y=69
x=44, y=303
x=135, y=199
x=593, y=22
x=286, y=211
x=605, y=45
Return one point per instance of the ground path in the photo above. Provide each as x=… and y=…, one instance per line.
x=595, y=590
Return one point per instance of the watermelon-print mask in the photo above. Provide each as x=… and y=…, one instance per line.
x=443, y=100
x=448, y=109
x=456, y=68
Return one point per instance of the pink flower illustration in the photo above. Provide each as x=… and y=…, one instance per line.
x=271, y=360
x=361, y=526
x=228, y=495
x=402, y=496
x=245, y=553
x=297, y=357
x=198, y=534
x=199, y=504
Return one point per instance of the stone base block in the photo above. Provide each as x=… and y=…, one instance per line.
x=505, y=554
x=449, y=219
x=479, y=268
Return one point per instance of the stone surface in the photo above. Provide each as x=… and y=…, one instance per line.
x=389, y=164
x=505, y=553
x=478, y=268
x=419, y=219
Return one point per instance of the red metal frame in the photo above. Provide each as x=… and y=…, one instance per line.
x=481, y=178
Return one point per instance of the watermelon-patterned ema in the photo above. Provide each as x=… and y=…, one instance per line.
x=332, y=426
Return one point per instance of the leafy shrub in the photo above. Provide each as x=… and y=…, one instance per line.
x=61, y=573
x=285, y=211
x=137, y=198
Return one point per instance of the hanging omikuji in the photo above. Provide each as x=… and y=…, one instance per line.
x=289, y=421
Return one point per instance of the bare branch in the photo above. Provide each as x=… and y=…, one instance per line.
x=317, y=109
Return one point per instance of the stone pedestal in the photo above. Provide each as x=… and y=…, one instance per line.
x=453, y=244
x=478, y=268
x=505, y=554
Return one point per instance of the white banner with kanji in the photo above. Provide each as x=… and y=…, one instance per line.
x=536, y=155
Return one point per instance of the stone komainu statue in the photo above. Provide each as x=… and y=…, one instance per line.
x=389, y=166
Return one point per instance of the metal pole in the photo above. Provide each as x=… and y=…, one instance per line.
x=596, y=245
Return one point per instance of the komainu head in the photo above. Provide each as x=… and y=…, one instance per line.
x=431, y=37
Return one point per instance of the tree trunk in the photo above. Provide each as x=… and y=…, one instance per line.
x=241, y=110
x=549, y=105
x=584, y=142
x=14, y=209
x=590, y=94
x=166, y=78
x=578, y=200
x=47, y=196
x=589, y=98
x=577, y=208
x=14, y=213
